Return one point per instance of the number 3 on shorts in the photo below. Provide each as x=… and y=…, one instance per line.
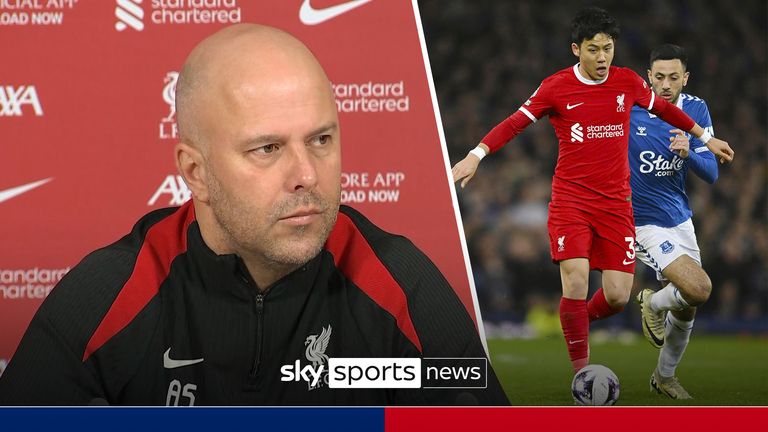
x=631, y=243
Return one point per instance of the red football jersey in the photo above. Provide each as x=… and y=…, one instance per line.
x=591, y=121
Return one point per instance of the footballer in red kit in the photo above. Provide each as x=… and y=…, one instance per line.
x=590, y=215
x=590, y=189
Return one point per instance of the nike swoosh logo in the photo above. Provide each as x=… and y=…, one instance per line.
x=569, y=106
x=18, y=190
x=170, y=363
x=576, y=341
x=658, y=341
x=311, y=16
x=625, y=262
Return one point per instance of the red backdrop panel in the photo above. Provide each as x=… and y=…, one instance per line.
x=86, y=97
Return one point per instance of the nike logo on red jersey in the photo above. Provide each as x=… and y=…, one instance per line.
x=569, y=106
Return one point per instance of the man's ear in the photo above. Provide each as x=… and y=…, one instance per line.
x=191, y=166
x=575, y=49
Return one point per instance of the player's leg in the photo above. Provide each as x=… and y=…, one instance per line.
x=574, y=319
x=674, y=253
x=613, y=252
x=570, y=241
x=679, y=325
x=617, y=287
x=689, y=285
x=653, y=249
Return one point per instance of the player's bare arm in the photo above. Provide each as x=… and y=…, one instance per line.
x=465, y=169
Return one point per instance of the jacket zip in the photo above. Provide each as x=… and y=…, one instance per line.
x=259, y=307
x=259, y=333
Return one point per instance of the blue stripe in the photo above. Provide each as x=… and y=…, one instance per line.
x=192, y=419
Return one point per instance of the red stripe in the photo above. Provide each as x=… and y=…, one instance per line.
x=163, y=242
x=357, y=261
x=595, y=419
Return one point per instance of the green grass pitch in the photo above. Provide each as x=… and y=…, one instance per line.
x=716, y=370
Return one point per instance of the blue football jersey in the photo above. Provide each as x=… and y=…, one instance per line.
x=658, y=174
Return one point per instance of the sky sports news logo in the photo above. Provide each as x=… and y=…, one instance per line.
x=357, y=373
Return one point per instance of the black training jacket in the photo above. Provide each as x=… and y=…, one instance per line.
x=157, y=318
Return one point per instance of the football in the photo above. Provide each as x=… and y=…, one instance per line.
x=595, y=385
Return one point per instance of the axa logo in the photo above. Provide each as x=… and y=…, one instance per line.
x=310, y=15
x=641, y=131
x=174, y=188
x=13, y=100
x=658, y=165
x=129, y=14
x=620, y=103
x=577, y=133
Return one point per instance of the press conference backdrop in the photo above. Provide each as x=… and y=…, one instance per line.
x=87, y=126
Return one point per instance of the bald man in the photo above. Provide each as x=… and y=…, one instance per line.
x=242, y=295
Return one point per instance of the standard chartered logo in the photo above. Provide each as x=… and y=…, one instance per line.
x=596, y=131
x=605, y=131
x=577, y=133
x=136, y=14
x=370, y=97
x=34, y=283
x=129, y=14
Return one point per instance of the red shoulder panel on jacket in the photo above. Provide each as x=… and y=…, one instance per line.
x=163, y=242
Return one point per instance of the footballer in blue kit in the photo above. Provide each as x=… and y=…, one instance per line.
x=659, y=159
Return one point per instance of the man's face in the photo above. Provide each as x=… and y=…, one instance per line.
x=595, y=55
x=273, y=158
x=667, y=77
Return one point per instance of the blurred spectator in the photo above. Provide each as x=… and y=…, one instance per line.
x=487, y=57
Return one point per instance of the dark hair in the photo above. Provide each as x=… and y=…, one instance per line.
x=590, y=21
x=670, y=52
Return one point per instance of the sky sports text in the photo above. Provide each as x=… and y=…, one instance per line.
x=355, y=373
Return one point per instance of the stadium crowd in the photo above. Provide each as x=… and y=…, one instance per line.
x=487, y=57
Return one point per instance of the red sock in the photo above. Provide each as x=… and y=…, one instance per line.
x=599, y=308
x=575, y=322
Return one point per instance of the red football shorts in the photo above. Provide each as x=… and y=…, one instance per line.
x=605, y=237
